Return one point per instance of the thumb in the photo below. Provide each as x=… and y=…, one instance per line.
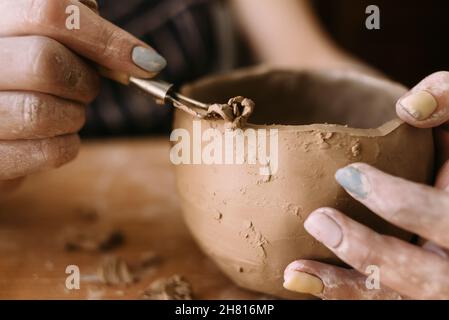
x=332, y=283
x=427, y=104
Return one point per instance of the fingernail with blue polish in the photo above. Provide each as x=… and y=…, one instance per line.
x=353, y=181
x=148, y=59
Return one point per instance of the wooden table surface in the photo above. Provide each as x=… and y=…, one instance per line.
x=126, y=186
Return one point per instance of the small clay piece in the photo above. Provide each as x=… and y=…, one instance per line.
x=356, y=149
x=235, y=113
x=173, y=288
x=92, y=240
x=325, y=120
x=115, y=271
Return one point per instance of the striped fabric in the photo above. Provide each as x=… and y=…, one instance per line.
x=190, y=34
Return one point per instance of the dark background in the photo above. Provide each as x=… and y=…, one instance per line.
x=411, y=44
x=412, y=41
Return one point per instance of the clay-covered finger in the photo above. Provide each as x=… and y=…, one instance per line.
x=35, y=115
x=23, y=157
x=94, y=38
x=415, y=207
x=40, y=64
x=403, y=267
x=427, y=104
x=334, y=283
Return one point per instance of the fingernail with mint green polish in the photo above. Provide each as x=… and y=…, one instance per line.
x=148, y=59
x=354, y=181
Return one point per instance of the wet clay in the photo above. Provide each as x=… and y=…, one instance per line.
x=172, y=288
x=235, y=113
x=251, y=225
x=115, y=271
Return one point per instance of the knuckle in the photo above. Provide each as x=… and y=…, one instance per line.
x=46, y=56
x=38, y=43
x=42, y=13
x=30, y=112
x=82, y=117
x=366, y=257
x=55, y=65
x=110, y=42
x=90, y=84
x=437, y=82
x=42, y=117
x=442, y=75
x=60, y=150
x=42, y=150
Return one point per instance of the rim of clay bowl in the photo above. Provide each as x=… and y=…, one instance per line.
x=374, y=81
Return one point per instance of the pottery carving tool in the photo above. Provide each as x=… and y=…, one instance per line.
x=235, y=113
x=163, y=92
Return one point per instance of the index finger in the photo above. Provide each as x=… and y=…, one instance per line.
x=96, y=38
x=412, y=206
x=401, y=266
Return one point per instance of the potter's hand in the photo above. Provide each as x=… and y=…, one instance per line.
x=410, y=271
x=427, y=106
x=405, y=270
x=46, y=83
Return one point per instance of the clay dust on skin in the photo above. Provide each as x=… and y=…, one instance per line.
x=228, y=146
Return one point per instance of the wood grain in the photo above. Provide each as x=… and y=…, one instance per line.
x=129, y=186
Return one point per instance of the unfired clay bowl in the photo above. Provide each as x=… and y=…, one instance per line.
x=253, y=228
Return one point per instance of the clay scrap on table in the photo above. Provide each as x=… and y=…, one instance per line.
x=235, y=113
x=173, y=288
x=115, y=271
x=93, y=240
